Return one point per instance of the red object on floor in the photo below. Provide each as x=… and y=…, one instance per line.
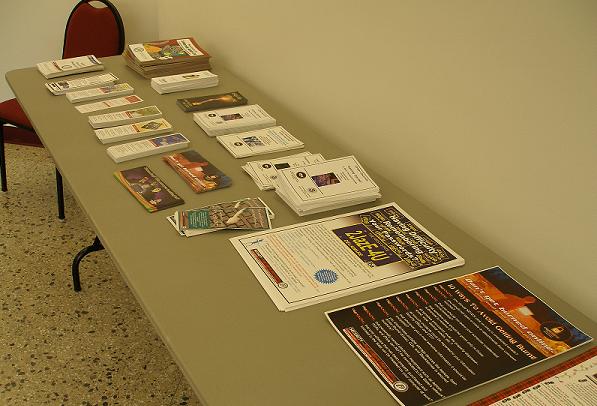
x=13, y=135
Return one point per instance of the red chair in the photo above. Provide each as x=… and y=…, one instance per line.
x=89, y=30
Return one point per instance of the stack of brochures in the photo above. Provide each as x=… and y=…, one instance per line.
x=151, y=146
x=64, y=86
x=108, y=104
x=197, y=171
x=167, y=57
x=70, y=66
x=148, y=189
x=244, y=214
x=124, y=117
x=133, y=131
x=212, y=101
x=327, y=185
x=185, y=81
x=264, y=141
x=118, y=89
x=233, y=120
x=265, y=172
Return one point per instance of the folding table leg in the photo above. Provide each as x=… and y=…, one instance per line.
x=2, y=160
x=59, y=195
x=96, y=246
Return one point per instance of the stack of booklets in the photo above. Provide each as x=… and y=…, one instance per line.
x=133, y=131
x=264, y=141
x=327, y=185
x=70, y=66
x=244, y=214
x=64, y=86
x=118, y=89
x=265, y=172
x=233, y=120
x=148, y=189
x=212, y=102
x=197, y=171
x=185, y=81
x=151, y=146
x=124, y=117
x=167, y=57
x=108, y=104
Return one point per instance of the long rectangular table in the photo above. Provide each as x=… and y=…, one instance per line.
x=232, y=344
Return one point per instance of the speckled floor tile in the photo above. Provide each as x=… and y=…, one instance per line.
x=56, y=346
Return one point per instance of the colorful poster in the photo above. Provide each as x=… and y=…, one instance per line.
x=429, y=343
x=307, y=263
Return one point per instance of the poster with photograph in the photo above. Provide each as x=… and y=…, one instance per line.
x=308, y=263
x=429, y=343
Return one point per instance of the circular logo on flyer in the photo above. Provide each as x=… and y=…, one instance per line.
x=312, y=190
x=301, y=175
x=211, y=115
x=266, y=166
x=326, y=276
x=282, y=285
x=555, y=331
x=400, y=386
x=238, y=144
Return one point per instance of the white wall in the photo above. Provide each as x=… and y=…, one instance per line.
x=33, y=30
x=483, y=110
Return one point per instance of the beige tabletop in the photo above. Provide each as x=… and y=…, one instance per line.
x=231, y=342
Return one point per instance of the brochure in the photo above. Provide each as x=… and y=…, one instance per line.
x=233, y=120
x=118, y=89
x=197, y=172
x=212, y=102
x=307, y=263
x=185, y=81
x=258, y=142
x=572, y=382
x=148, y=189
x=265, y=172
x=429, y=343
x=132, y=131
x=124, y=117
x=151, y=146
x=63, y=86
x=70, y=66
x=108, y=104
x=166, y=51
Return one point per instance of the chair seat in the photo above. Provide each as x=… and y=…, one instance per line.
x=11, y=112
x=20, y=136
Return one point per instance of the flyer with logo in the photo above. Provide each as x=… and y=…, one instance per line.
x=433, y=342
x=307, y=263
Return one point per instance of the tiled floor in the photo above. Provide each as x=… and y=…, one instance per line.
x=57, y=347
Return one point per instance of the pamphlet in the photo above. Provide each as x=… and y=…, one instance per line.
x=148, y=189
x=124, y=117
x=151, y=146
x=257, y=142
x=265, y=172
x=212, y=102
x=118, y=89
x=572, y=382
x=197, y=172
x=132, y=131
x=63, y=86
x=233, y=120
x=70, y=66
x=307, y=263
x=429, y=343
x=108, y=104
x=166, y=51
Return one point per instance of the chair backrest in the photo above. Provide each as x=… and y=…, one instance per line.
x=91, y=30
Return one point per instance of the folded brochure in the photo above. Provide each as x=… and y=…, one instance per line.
x=148, y=189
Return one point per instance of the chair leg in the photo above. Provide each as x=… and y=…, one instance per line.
x=2, y=160
x=95, y=246
x=59, y=195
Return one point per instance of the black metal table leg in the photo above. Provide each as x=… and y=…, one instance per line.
x=59, y=195
x=96, y=246
x=2, y=160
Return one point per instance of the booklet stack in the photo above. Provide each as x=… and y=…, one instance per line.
x=64, y=86
x=233, y=120
x=327, y=185
x=151, y=146
x=124, y=117
x=132, y=131
x=70, y=66
x=118, y=89
x=264, y=141
x=265, y=172
x=244, y=214
x=185, y=81
x=168, y=57
x=197, y=171
x=148, y=189
x=108, y=104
